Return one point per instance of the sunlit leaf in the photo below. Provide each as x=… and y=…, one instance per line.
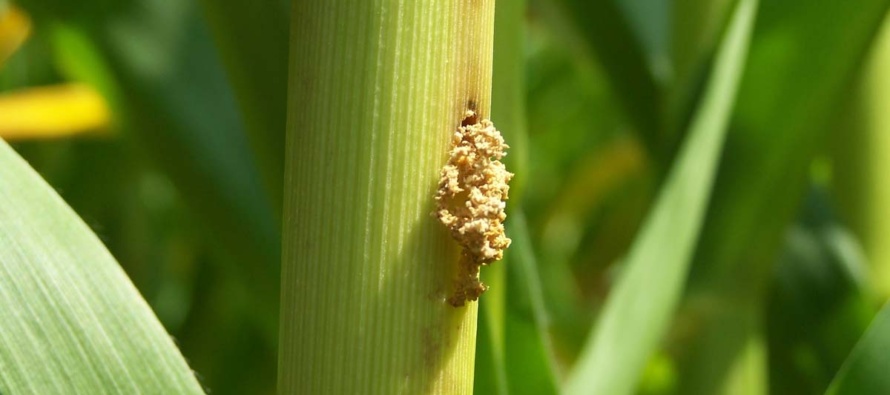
x=70, y=320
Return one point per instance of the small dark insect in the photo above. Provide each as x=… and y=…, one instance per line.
x=472, y=118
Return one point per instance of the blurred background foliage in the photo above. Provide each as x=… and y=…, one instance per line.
x=162, y=124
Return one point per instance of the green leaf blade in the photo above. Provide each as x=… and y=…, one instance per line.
x=638, y=311
x=70, y=319
x=865, y=371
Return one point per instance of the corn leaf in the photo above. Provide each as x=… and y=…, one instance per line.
x=70, y=319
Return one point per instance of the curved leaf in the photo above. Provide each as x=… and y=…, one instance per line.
x=70, y=319
x=865, y=371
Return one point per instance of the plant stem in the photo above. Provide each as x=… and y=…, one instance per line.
x=377, y=88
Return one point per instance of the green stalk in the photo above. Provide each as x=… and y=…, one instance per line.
x=377, y=88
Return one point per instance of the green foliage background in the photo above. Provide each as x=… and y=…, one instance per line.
x=598, y=100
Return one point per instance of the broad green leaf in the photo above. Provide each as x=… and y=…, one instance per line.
x=865, y=371
x=70, y=319
x=639, y=308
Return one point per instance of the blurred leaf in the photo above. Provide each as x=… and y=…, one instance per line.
x=777, y=125
x=508, y=89
x=650, y=21
x=588, y=226
x=71, y=319
x=639, y=308
x=509, y=113
x=571, y=115
x=490, y=376
x=608, y=35
x=817, y=307
x=53, y=111
x=860, y=145
x=597, y=180
x=531, y=365
x=695, y=33
x=865, y=371
x=252, y=36
x=14, y=30
x=30, y=65
x=156, y=64
x=794, y=79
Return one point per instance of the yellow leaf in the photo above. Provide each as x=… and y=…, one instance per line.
x=14, y=29
x=51, y=112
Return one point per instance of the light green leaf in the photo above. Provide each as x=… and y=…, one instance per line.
x=865, y=371
x=70, y=319
x=638, y=310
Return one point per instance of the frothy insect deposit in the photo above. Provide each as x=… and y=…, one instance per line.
x=471, y=199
